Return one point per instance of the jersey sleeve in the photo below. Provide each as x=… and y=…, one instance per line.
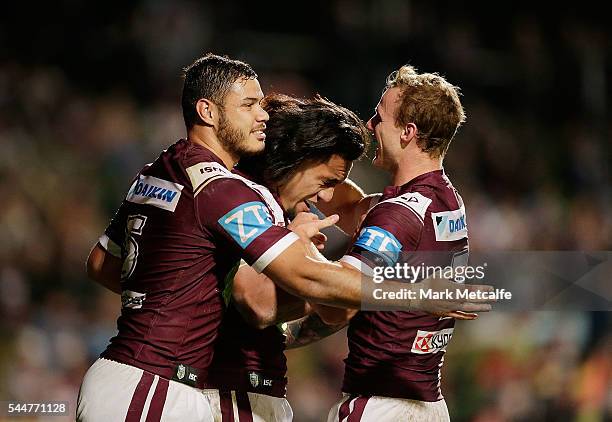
x=237, y=215
x=387, y=230
x=114, y=235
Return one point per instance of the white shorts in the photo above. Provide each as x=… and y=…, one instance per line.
x=240, y=406
x=383, y=409
x=113, y=391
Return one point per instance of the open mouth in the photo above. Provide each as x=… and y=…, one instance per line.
x=260, y=135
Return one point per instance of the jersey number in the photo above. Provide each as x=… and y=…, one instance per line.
x=135, y=224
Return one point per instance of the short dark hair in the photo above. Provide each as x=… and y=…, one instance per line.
x=210, y=77
x=305, y=130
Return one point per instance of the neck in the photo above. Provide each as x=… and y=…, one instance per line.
x=208, y=139
x=412, y=167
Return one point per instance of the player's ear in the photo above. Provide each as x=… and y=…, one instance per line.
x=409, y=133
x=208, y=112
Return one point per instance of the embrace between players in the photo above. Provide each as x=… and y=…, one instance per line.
x=212, y=250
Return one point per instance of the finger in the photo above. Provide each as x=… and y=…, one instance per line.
x=328, y=221
x=478, y=288
x=465, y=316
x=305, y=217
x=319, y=238
x=474, y=307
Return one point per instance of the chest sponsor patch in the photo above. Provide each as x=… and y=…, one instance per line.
x=246, y=222
x=427, y=342
x=450, y=225
x=381, y=242
x=153, y=191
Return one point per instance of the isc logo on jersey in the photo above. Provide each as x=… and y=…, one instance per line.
x=427, y=342
x=450, y=225
x=246, y=222
x=153, y=191
x=381, y=242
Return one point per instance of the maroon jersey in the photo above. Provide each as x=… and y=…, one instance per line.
x=399, y=354
x=247, y=358
x=185, y=222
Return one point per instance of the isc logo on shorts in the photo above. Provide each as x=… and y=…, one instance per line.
x=246, y=222
x=381, y=242
x=431, y=341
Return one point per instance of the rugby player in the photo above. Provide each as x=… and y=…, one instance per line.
x=310, y=146
x=393, y=368
x=184, y=224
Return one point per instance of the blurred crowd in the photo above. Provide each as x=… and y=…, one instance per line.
x=84, y=104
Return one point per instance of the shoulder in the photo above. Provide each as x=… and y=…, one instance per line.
x=408, y=205
x=204, y=173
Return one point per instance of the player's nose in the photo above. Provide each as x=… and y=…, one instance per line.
x=262, y=115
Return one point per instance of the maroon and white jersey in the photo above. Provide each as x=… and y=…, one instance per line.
x=247, y=358
x=396, y=353
x=185, y=222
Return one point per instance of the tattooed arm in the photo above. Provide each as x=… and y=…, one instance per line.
x=308, y=329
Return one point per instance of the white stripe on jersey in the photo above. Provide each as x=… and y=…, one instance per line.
x=358, y=265
x=274, y=251
x=110, y=246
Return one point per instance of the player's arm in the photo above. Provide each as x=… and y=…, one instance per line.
x=261, y=302
x=104, y=263
x=332, y=315
x=350, y=203
x=233, y=211
x=308, y=330
x=104, y=268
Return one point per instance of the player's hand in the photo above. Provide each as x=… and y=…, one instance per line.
x=454, y=305
x=308, y=226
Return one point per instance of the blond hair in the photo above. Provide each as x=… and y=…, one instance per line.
x=432, y=104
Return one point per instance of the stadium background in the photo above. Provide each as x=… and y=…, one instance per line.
x=88, y=93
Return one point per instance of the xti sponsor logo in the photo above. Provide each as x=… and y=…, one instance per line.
x=157, y=192
x=427, y=342
x=246, y=222
x=381, y=242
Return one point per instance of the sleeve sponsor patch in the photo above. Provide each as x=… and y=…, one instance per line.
x=153, y=191
x=380, y=242
x=414, y=201
x=450, y=225
x=246, y=222
x=202, y=174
